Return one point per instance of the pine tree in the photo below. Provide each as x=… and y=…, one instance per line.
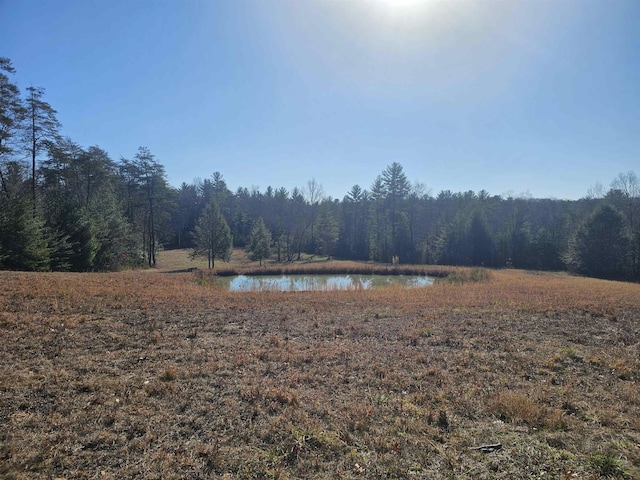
x=212, y=236
x=41, y=130
x=12, y=113
x=23, y=242
x=599, y=247
x=328, y=231
x=259, y=242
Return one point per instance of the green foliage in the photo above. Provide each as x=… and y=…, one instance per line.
x=480, y=241
x=41, y=130
x=12, y=110
x=212, y=236
x=117, y=247
x=75, y=232
x=23, y=239
x=599, y=247
x=607, y=466
x=184, y=215
x=352, y=237
x=90, y=213
x=88, y=230
x=23, y=243
x=467, y=276
x=453, y=244
x=328, y=231
x=259, y=242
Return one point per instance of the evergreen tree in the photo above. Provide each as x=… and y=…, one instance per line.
x=184, y=215
x=84, y=218
x=352, y=237
x=23, y=240
x=480, y=242
x=220, y=191
x=397, y=188
x=453, y=246
x=279, y=226
x=260, y=241
x=12, y=113
x=298, y=225
x=378, y=232
x=147, y=198
x=625, y=195
x=41, y=131
x=599, y=247
x=328, y=230
x=212, y=236
x=117, y=247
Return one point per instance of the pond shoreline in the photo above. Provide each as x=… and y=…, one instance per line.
x=332, y=268
x=320, y=282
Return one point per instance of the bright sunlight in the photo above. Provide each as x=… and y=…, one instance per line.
x=412, y=14
x=407, y=8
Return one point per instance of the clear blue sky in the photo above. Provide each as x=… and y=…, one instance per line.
x=507, y=96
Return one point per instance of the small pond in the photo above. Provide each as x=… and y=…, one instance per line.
x=300, y=283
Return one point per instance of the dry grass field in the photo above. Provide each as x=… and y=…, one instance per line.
x=162, y=375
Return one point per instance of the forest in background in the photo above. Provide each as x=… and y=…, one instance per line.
x=64, y=207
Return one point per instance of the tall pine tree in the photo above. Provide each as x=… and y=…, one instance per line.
x=212, y=236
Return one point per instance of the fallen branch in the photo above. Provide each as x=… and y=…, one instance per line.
x=488, y=448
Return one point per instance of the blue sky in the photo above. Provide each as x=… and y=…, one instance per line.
x=539, y=97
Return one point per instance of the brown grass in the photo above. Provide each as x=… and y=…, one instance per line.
x=155, y=375
x=178, y=261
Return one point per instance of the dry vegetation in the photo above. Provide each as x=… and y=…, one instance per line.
x=158, y=375
x=178, y=261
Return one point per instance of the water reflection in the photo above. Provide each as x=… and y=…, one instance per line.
x=300, y=283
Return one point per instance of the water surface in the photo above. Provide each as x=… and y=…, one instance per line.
x=301, y=283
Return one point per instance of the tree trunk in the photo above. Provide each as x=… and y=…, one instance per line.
x=34, y=146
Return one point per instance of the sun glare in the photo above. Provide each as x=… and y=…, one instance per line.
x=403, y=3
x=402, y=7
x=410, y=11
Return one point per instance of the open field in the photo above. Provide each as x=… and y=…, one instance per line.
x=178, y=261
x=159, y=375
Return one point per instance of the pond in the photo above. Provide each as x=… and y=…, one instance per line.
x=300, y=283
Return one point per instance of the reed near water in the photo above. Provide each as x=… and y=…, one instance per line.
x=329, y=268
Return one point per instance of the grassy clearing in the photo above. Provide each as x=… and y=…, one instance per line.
x=179, y=261
x=150, y=375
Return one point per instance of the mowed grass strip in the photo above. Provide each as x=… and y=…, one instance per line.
x=157, y=375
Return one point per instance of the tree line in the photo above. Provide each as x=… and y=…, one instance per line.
x=65, y=207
